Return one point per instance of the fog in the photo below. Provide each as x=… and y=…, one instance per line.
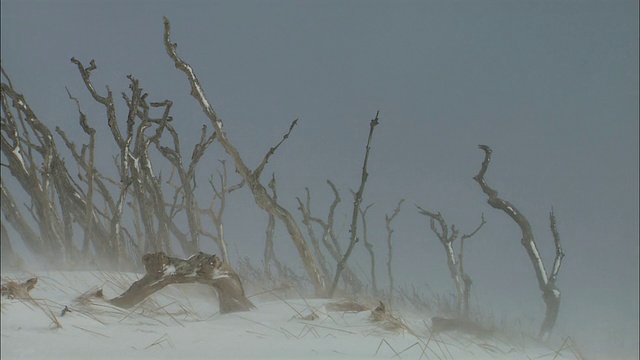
x=551, y=87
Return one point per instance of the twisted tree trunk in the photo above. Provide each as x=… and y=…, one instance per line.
x=546, y=283
x=199, y=268
x=252, y=178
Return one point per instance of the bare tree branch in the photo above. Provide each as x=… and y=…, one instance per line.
x=261, y=196
x=387, y=220
x=551, y=294
x=258, y=171
x=305, y=209
x=557, y=261
x=369, y=246
x=356, y=209
x=199, y=268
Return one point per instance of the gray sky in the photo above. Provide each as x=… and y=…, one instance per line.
x=552, y=87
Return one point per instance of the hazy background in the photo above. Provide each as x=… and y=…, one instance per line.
x=552, y=87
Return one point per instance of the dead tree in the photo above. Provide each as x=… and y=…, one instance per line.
x=187, y=179
x=353, y=229
x=35, y=179
x=251, y=177
x=305, y=209
x=369, y=246
x=269, y=252
x=95, y=180
x=201, y=268
x=461, y=280
x=220, y=196
x=329, y=238
x=546, y=282
x=33, y=241
x=136, y=169
x=387, y=221
x=465, y=277
x=134, y=165
x=56, y=199
x=9, y=259
x=89, y=172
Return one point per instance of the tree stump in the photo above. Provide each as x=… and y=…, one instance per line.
x=163, y=270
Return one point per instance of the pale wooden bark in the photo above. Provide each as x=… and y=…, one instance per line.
x=369, y=246
x=9, y=259
x=546, y=283
x=465, y=277
x=187, y=181
x=199, y=268
x=328, y=233
x=305, y=210
x=31, y=238
x=447, y=241
x=461, y=280
x=252, y=178
x=37, y=179
x=220, y=196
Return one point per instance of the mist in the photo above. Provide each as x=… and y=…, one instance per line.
x=552, y=88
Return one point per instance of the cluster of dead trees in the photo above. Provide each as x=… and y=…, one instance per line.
x=137, y=212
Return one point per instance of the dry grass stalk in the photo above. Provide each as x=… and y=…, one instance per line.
x=385, y=320
x=15, y=290
x=163, y=338
x=20, y=291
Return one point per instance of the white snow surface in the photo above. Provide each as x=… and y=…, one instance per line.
x=169, y=270
x=183, y=322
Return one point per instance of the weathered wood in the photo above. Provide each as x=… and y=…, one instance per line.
x=163, y=270
x=252, y=178
x=546, y=283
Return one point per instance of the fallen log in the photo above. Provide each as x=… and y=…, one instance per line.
x=162, y=270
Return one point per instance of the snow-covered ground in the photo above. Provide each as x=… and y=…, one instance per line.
x=182, y=321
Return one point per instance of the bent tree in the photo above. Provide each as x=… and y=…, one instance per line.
x=261, y=196
x=456, y=270
x=546, y=282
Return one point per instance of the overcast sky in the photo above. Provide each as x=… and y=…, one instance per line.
x=551, y=86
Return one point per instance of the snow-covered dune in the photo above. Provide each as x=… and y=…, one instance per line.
x=183, y=322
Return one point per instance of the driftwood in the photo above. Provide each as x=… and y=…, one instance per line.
x=163, y=270
x=13, y=289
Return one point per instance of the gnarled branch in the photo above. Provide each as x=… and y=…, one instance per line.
x=550, y=293
x=260, y=194
x=163, y=270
